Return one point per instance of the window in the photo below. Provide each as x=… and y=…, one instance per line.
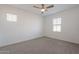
x=11, y=17
x=57, y=25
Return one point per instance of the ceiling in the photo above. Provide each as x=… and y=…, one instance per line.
x=55, y=9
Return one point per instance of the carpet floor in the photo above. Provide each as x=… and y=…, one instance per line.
x=42, y=45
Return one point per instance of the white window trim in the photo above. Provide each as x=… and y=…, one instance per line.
x=57, y=22
x=11, y=17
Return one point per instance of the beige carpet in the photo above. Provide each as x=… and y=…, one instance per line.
x=42, y=46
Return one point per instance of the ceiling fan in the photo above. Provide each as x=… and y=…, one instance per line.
x=43, y=8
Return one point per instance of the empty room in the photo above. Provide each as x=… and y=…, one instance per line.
x=39, y=29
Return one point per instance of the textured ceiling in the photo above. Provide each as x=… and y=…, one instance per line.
x=55, y=9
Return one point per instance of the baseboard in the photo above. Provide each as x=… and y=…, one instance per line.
x=61, y=40
x=14, y=43
x=33, y=39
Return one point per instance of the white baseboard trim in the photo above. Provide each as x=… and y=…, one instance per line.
x=20, y=41
x=62, y=40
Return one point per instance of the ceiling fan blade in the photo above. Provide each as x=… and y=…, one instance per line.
x=50, y=6
x=42, y=6
x=36, y=7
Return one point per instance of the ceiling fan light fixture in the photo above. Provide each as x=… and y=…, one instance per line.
x=42, y=10
x=43, y=7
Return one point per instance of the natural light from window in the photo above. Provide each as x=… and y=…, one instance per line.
x=11, y=17
x=57, y=24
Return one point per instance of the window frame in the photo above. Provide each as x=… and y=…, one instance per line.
x=57, y=24
x=11, y=17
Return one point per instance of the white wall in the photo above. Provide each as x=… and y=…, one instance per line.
x=70, y=25
x=28, y=26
